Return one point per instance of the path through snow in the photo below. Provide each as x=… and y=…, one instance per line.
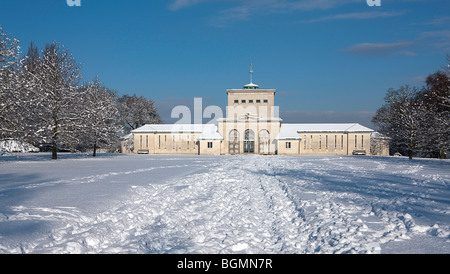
x=228, y=204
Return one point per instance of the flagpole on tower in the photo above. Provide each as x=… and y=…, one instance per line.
x=251, y=85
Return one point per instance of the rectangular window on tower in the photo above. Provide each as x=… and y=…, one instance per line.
x=210, y=145
x=288, y=144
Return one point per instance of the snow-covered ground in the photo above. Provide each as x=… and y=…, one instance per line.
x=223, y=204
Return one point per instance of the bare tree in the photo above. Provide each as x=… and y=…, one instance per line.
x=137, y=111
x=10, y=86
x=100, y=115
x=53, y=88
x=402, y=119
x=436, y=96
x=418, y=120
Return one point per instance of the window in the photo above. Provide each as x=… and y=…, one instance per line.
x=326, y=142
x=304, y=145
x=320, y=141
x=140, y=141
x=250, y=101
x=249, y=141
x=210, y=144
x=288, y=144
x=243, y=101
x=362, y=141
x=236, y=101
x=146, y=141
x=311, y=143
x=335, y=141
x=258, y=101
x=342, y=141
x=356, y=141
x=266, y=101
x=159, y=142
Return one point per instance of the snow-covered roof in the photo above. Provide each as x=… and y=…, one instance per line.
x=170, y=128
x=251, y=86
x=208, y=131
x=290, y=131
x=350, y=127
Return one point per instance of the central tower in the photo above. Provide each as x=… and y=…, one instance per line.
x=252, y=120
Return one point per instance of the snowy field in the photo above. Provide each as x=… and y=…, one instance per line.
x=227, y=204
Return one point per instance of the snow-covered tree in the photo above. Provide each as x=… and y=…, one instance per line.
x=10, y=87
x=100, y=115
x=418, y=120
x=137, y=111
x=436, y=96
x=402, y=119
x=54, y=90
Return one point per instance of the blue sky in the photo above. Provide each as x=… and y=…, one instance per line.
x=330, y=60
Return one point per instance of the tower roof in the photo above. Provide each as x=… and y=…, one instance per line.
x=251, y=85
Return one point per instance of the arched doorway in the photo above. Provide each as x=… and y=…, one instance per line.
x=249, y=141
x=233, y=144
x=264, y=141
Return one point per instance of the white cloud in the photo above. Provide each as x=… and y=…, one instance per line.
x=381, y=49
x=245, y=8
x=356, y=16
x=180, y=4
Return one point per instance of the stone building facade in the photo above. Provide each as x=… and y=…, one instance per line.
x=252, y=126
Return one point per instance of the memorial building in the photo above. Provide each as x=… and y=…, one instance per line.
x=252, y=126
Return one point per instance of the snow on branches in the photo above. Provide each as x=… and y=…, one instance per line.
x=44, y=102
x=417, y=119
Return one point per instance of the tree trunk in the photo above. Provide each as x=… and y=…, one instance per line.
x=54, y=152
x=95, y=150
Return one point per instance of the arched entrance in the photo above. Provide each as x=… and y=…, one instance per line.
x=249, y=141
x=264, y=141
x=233, y=144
